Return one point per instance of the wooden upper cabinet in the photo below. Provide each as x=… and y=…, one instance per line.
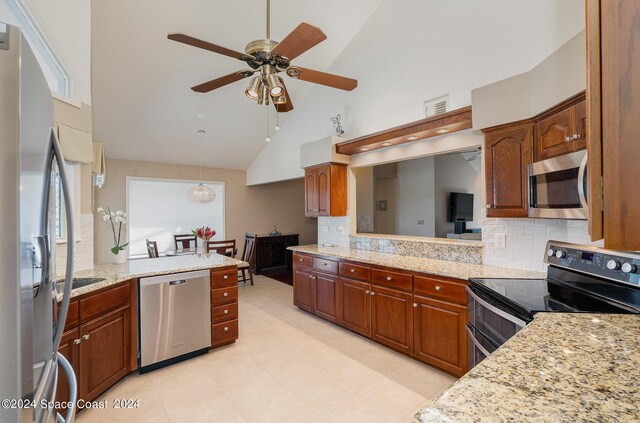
x=326, y=190
x=620, y=114
x=562, y=129
x=508, y=152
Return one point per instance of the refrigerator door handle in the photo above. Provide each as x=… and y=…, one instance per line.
x=73, y=390
x=56, y=152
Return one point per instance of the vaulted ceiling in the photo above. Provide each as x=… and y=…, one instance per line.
x=143, y=106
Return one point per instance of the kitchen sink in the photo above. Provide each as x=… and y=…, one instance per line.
x=79, y=283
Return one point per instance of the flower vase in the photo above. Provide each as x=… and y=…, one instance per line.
x=121, y=257
x=206, y=247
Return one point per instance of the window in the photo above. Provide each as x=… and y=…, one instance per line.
x=157, y=209
x=16, y=13
x=73, y=170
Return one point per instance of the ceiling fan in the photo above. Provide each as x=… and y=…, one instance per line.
x=269, y=58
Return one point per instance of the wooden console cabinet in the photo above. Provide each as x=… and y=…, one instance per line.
x=422, y=316
x=271, y=251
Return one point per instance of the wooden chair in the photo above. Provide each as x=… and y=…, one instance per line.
x=225, y=248
x=152, y=249
x=248, y=255
x=183, y=241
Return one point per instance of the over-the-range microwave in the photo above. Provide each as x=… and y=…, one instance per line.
x=558, y=187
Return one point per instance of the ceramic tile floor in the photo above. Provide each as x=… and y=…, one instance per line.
x=287, y=366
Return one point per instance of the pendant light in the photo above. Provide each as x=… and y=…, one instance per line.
x=201, y=193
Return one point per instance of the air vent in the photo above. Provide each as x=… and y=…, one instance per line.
x=436, y=106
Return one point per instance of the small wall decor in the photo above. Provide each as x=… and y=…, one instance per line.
x=337, y=126
x=382, y=205
x=275, y=231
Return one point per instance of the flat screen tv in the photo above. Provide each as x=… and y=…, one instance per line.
x=460, y=207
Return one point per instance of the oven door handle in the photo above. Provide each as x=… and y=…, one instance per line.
x=476, y=343
x=582, y=175
x=496, y=310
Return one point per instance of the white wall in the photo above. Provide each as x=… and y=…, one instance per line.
x=416, y=197
x=422, y=49
x=66, y=24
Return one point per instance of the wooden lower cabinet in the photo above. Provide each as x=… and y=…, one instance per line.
x=424, y=319
x=70, y=349
x=104, y=352
x=326, y=287
x=392, y=318
x=440, y=336
x=355, y=305
x=303, y=289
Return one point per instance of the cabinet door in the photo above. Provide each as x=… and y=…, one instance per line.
x=104, y=352
x=392, y=318
x=440, y=336
x=323, y=181
x=310, y=193
x=554, y=135
x=327, y=297
x=70, y=349
x=620, y=122
x=579, y=124
x=303, y=289
x=355, y=306
x=507, y=156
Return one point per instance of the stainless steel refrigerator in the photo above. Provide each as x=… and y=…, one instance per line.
x=30, y=164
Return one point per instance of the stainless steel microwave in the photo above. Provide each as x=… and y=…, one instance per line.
x=558, y=187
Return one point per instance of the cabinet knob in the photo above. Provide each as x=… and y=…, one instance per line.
x=389, y=278
x=300, y=259
x=226, y=276
x=77, y=341
x=226, y=329
x=577, y=136
x=226, y=294
x=367, y=292
x=226, y=312
x=488, y=206
x=353, y=270
x=373, y=293
x=86, y=337
x=415, y=305
x=438, y=287
x=568, y=139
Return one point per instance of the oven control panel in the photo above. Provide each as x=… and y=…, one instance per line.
x=613, y=265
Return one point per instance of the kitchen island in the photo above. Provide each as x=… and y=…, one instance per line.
x=562, y=367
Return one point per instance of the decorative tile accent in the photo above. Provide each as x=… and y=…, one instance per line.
x=462, y=251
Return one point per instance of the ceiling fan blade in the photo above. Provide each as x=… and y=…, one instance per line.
x=322, y=78
x=185, y=39
x=221, y=82
x=299, y=40
x=285, y=107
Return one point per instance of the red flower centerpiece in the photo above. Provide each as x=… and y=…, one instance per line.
x=205, y=233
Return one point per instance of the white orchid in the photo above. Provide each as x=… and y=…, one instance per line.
x=118, y=217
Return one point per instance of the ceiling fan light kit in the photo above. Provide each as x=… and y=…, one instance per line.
x=270, y=58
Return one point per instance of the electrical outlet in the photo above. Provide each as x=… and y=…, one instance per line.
x=501, y=241
x=420, y=222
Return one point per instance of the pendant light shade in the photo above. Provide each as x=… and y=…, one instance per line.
x=201, y=194
x=254, y=89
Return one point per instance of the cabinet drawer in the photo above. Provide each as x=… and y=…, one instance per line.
x=73, y=315
x=224, y=333
x=441, y=288
x=392, y=279
x=354, y=271
x=325, y=265
x=223, y=313
x=221, y=296
x=224, y=278
x=302, y=260
x=104, y=301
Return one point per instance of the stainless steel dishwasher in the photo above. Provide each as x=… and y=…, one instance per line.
x=175, y=318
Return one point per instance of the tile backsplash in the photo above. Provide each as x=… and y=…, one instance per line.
x=334, y=231
x=84, y=248
x=526, y=240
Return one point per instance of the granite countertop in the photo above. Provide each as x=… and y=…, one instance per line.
x=116, y=273
x=429, y=240
x=418, y=264
x=571, y=367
